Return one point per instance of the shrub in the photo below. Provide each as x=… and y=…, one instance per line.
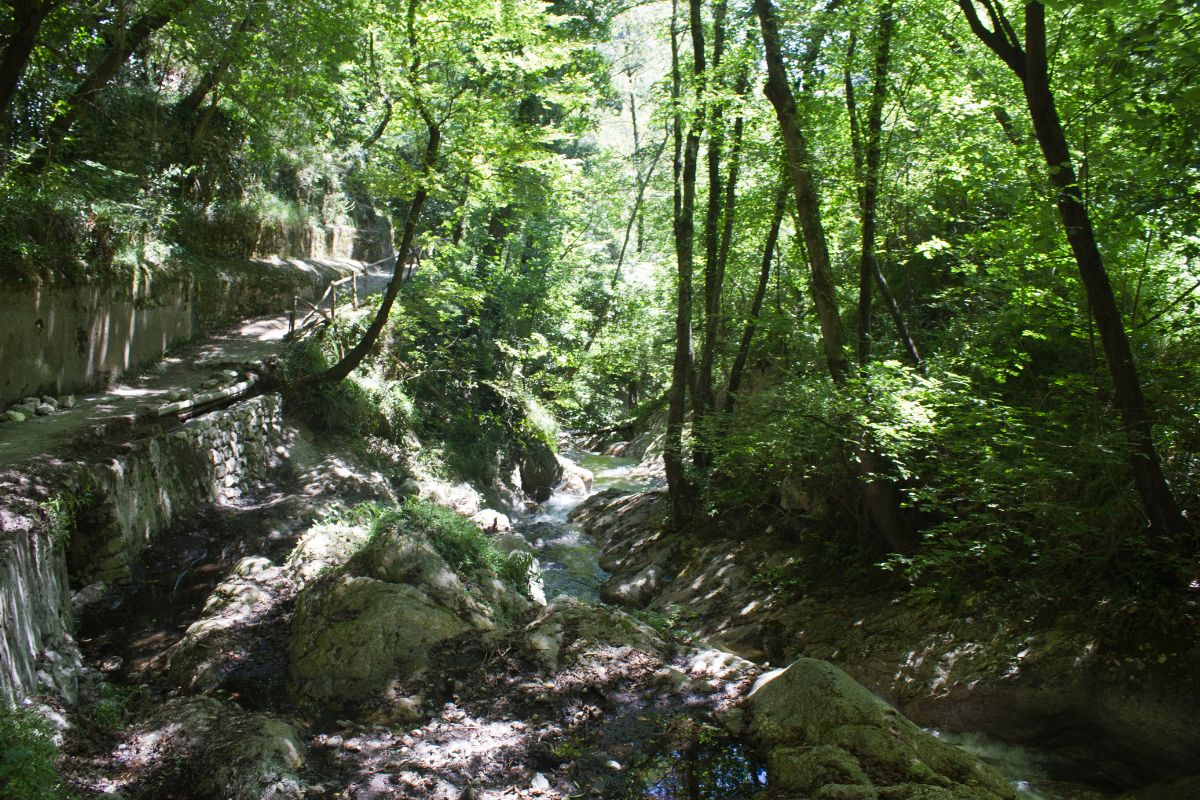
x=27, y=755
x=464, y=546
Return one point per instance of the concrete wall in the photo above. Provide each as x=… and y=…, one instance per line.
x=156, y=483
x=35, y=614
x=63, y=339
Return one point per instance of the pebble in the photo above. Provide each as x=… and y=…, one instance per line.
x=540, y=782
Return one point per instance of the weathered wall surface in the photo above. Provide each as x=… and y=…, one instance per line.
x=130, y=499
x=164, y=478
x=35, y=613
x=60, y=339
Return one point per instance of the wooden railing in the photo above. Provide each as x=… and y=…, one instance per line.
x=316, y=310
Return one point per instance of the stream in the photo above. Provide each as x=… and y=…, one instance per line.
x=672, y=751
x=711, y=767
x=568, y=557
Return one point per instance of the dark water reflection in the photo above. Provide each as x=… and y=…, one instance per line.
x=708, y=766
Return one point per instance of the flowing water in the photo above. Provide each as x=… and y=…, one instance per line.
x=710, y=766
x=569, y=558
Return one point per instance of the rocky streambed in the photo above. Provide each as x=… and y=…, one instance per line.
x=280, y=649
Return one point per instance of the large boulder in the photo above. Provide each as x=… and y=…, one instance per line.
x=825, y=736
x=636, y=591
x=576, y=480
x=540, y=471
x=354, y=634
x=570, y=630
x=230, y=645
x=203, y=747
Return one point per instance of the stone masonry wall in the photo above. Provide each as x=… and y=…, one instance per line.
x=129, y=500
x=164, y=478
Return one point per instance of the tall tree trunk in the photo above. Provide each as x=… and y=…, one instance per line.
x=342, y=369
x=679, y=488
x=121, y=47
x=760, y=293
x=880, y=495
x=27, y=18
x=1029, y=64
x=868, y=157
x=808, y=207
x=703, y=399
x=714, y=286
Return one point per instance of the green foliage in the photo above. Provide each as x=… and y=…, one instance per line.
x=458, y=540
x=62, y=516
x=27, y=756
x=111, y=708
x=364, y=404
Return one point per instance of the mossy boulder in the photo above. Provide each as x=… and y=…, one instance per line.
x=825, y=736
x=571, y=629
x=354, y=634
x=540, y=471
x=204, y=747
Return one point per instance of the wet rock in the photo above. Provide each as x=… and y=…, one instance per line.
x=353, y=635
x=825, y=736
x=212, y=748
x=570, y=629
x=576, y=480
x=226, y=641
x=44, y=410
x=1174, y=789
x=460, y=497
x=491, y=520
x=635, y=592
x=67, y=402
x=540, y=471
x=14, y=416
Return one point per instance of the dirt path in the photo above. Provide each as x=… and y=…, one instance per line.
x=137, y=396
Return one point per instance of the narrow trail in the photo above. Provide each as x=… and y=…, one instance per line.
x=219, y=356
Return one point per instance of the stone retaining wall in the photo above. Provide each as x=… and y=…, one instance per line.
x=126, y=502
x=164, y=478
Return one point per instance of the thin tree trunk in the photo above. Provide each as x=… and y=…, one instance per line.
x=637, y=152
x=880, y=495
x=808, y=208
x=870, y=159
x=760, y=293
x=1030, y=66
x=28, y=18
x=679, y=488
x=703, y=399
x=342, y=369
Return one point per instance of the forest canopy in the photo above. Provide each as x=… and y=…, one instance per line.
x=918, y=278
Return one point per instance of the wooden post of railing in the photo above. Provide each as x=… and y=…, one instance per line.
x=354, y=291
x=333, y=302
x=292, y=317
